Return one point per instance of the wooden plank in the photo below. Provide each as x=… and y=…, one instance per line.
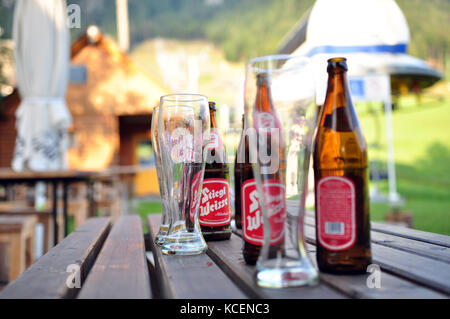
x=228, y=255
x=46, y=278
x=356, y=285
x=422, y=248
x=190, y=277
x=428, y=272
x=414, y=234
x=391, y=287
x=120, y=270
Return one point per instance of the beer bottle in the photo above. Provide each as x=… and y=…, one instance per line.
x=238, y=167
x=214, y=212
x=265, y=118
x=341, y=180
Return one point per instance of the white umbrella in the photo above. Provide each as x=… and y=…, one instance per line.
x=42, y=67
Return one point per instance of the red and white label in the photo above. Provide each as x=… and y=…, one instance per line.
x=195, y=194
x=215, y=203
x=336, y=212
x=182, y=145
x=215, y=142
x=266, y=120
x=252, y=225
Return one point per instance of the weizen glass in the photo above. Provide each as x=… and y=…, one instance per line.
x=183, y=124
x=165, y=217
x=281, y=112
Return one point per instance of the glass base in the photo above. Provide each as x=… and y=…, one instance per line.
x=183, y=243
x=162, y=233
x=272, y=274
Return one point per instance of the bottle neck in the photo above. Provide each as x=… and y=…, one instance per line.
x=212, y=114
x=338, y=111
x=337, y=89
x=263, y=102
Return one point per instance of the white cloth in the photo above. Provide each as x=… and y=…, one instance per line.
x=42, y=54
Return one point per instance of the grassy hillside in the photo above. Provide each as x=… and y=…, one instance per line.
x=422, y=154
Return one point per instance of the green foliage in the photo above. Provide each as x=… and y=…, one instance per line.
x=246, y=28
x=422, y=155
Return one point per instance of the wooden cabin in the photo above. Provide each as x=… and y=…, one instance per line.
x=111, y=101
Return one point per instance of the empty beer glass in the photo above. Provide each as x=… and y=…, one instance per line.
x=165, y=217
x=281, y=112
x=183, y=125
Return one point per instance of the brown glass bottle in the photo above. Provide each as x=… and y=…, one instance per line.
x=238, y=168
x=341, y=181
x=264, y=117
x=214, y=212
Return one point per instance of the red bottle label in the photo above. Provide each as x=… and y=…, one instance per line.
x=336, y=212
x=215, y=203
x=252, y=225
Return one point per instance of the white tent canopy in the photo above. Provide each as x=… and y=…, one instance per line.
x=42, y=56
x=374, y=36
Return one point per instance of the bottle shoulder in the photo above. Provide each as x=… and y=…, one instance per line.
x=334, y=150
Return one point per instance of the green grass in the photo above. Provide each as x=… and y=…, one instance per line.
x=422, y=155
x=143, y=208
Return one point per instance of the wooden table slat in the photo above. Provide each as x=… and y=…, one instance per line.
x=355, y=286
x=403, y=232
x=229, y=255
x=412, y=234
x=421, y=248
x=190, y=277
x=391, y=287
x=120, y=270
x=426, y=271
x=46, y=278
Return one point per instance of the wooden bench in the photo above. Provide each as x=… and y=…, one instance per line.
x=43, y=217
x=17, y=235
x=94, y=261
x=113, y=264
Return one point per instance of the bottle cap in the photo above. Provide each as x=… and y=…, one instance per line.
x=262, y=78
x=337, y=63
x=212, y=105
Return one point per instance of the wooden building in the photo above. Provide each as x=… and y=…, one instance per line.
x=111, y=101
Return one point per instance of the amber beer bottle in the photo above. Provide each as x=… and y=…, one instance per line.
x=265, y=118
x=341, y=181
x=238, y=169
x=214, y=212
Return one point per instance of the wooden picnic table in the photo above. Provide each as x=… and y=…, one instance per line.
x=116, y=262
x=66, y=177
x=55, y=178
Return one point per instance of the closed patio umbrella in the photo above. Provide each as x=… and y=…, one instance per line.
x=42, y=66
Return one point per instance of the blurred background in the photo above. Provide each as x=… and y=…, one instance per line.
x=125, y=54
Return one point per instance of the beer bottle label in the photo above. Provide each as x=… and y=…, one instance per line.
x=215, y=203
x=266, y=120
x=251, y=213
x=195, y=194
x=215, y=142
x=336, y=212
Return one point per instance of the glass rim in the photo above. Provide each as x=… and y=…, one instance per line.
x=184, y=97
x=275, y=58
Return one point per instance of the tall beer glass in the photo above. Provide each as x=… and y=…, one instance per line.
x=165, y=217
x=184, y=126
x=281, y=112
